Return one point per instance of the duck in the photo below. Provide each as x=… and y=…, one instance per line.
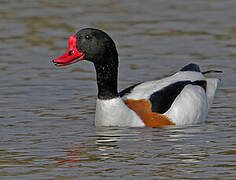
x=181, y=99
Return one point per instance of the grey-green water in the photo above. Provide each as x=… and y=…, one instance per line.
x=47, y=113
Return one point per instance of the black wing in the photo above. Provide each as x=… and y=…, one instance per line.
x=191, y=67
x=162, y=100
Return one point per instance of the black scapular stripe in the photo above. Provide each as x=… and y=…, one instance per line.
x=162, y=100
x=127, y=90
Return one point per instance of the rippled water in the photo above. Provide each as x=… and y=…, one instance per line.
x=47, y=113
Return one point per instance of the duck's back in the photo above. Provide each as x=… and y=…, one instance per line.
x=184, y=97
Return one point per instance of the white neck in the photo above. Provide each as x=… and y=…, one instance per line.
x=114, y=112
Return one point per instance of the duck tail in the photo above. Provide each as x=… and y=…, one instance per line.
x=212, y=71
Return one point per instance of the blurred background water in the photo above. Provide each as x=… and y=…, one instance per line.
x=47, y=113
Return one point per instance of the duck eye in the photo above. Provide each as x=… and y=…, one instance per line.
x=87, y=37
x=70, y=52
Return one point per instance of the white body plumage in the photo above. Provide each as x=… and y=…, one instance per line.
x=190, y=106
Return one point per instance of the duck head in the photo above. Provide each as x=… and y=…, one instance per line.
x=89, y=44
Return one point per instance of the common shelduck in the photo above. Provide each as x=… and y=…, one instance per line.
x=180, y=99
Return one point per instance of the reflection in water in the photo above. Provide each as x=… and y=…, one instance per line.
x=120, y=144
x=71, y=157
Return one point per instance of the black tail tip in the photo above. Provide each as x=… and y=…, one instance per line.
x=212, y=71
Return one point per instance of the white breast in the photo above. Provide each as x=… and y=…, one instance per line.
x=114, y=112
